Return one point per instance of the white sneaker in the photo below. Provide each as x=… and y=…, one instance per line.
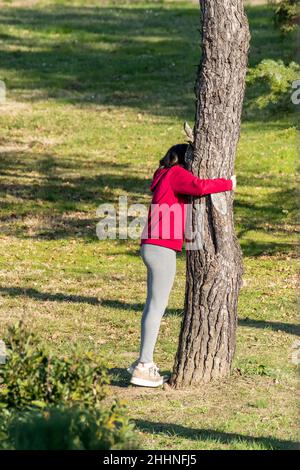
x=146, y=375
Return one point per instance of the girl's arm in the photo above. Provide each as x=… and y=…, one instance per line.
x=184, y=182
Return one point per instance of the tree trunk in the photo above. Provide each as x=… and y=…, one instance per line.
x=214, y=270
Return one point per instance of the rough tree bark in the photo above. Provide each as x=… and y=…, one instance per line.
x=214, y=271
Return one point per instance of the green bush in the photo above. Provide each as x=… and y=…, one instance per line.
x=73, y=428
x=269, y=85
x=251, y=366
x=287, y=15
x=33, y=378
x=49, y=402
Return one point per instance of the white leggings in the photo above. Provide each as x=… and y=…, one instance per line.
x=161, y=270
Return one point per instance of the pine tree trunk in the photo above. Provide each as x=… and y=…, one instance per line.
x=214, y=271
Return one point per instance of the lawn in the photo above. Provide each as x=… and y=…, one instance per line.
x=96, y=92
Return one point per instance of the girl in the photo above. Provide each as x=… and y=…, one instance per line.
x=161, y=239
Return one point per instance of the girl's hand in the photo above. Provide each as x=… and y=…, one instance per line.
x=233, y=179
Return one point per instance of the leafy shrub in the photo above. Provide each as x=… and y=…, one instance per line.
x=33, y=378
x=269, y=85
x=250, y=366
x=49, y=402
x=287, y=15
x=73, y=428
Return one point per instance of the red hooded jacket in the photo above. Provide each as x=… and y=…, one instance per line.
x=167, y=214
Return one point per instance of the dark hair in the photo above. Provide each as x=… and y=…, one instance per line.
x=174, y=156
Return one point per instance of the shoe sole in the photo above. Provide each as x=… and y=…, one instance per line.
x=145, y=383
x=166, y=378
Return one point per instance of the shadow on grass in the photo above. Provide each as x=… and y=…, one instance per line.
x=176, y=430
x=139, y=57
x=115, y=56
x=135, y=307
x=142, y=58
x=61, y=196
x=274, y=213
x=291, y=328
x=47, y=296
x=254, y=249
x=65, y=193
x=119, y=377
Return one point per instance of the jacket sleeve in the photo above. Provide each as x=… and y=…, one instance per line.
x=184, y=182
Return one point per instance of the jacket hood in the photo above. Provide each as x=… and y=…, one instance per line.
x=159, y=173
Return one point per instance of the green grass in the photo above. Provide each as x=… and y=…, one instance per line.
x=96, y=92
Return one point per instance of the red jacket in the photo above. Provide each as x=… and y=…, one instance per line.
x=167, y=214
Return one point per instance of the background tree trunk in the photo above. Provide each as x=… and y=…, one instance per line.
x=214, y=272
